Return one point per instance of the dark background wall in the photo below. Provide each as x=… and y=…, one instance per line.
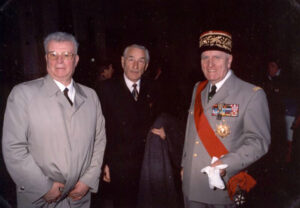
x=170, y=29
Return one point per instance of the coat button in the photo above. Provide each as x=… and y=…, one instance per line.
x=197, y=142
x=192, y=112
x=195, y=155
x=22, y=188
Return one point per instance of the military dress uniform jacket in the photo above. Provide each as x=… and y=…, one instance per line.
x=248, y=140
x=45, y=139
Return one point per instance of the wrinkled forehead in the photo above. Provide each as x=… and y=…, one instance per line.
x=60, y=46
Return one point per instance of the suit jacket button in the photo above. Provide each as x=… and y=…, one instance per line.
x=195, y=155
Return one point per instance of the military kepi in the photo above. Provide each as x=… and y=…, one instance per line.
x=215, y=40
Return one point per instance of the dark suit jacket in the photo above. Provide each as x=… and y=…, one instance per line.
x=127, y=124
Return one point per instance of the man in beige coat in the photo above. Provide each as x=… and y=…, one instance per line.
x=53, y=133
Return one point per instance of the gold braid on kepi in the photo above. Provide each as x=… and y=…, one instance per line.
x=215, y=40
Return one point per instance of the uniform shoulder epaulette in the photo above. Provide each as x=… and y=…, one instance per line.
x=256, y=88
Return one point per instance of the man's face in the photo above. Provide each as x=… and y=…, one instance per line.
x=272, y=68
x=61, y=61
x=215, y=65
x=134, y=63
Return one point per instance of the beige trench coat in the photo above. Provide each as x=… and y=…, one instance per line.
x=45, y=139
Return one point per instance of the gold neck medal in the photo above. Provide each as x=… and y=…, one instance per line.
x=223, y=130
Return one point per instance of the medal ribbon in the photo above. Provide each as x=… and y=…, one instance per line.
x=215, y=147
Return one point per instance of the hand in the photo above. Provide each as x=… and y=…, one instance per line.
x=222, y=171
x=181, y=174
x=160, y=132
x=106, y=174
x=79, y=191
x=54, y=193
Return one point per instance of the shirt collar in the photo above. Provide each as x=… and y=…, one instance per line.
x=220, y=83
x=70, y=87
x=129, y=83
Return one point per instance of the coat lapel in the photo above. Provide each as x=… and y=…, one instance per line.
x=80, y=98
x=50, y=87
x=204, y=96
x=125, y=89
x=144, y=92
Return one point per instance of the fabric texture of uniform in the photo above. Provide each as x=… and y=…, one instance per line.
x=248, y=140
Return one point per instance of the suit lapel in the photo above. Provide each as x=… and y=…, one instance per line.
x=143, y=94
x=204, y=96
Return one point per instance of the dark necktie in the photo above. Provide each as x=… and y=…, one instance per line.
x=135, y=93
x=66, y=90
x=212, y=92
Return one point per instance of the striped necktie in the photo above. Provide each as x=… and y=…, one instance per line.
x=135, y=93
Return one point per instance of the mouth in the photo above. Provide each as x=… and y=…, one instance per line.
x=135, y=72
x=59, y=67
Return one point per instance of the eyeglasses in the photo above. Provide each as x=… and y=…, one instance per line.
x=53, y=55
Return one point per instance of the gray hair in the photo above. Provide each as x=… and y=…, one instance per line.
x=60, y=37
x=140, y=47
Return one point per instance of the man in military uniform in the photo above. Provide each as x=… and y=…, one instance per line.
x=229, y=120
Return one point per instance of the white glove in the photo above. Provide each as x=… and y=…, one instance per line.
x=213, y=173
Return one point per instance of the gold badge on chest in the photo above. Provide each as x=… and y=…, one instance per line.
x=223, y=130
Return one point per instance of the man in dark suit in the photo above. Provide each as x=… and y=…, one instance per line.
x=127, y=103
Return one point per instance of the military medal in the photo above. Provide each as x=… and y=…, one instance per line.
x=220, y=107
x=223, y=129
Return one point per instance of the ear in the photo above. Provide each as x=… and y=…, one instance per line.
x=123, y=61
x=146, y=66
x=230, y=58
x=76, y=60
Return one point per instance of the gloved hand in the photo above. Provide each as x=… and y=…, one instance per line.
x=213, y=173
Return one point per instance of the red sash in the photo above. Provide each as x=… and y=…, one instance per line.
x=215, y=147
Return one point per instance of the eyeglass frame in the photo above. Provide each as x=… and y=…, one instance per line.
x=64, y=55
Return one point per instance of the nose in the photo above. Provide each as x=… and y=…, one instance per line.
x=60, y=59
x=210, y=62
x=135, y=64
